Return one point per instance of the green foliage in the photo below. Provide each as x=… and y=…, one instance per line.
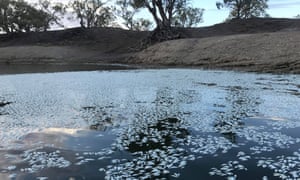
x=244, y=9
x=27, y=18
x=127, y=12
x=138, y=3
x=92, y=13
x=55, y=12
x=188, y=17
x=168, y=13
x=141, y=24
x=19, y=16
x=5, y=15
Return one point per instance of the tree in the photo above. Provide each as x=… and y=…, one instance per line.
x=19, y=16
x=27, y=18
x=92, y=13
x=55, y=12
x=244, y=9
x=166, y=13
x=188, y=17
x=5, y=12
x=127, y=13
x=141, y=24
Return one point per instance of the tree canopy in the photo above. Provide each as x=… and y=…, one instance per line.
x=5, y=15
x=127, y=12
x=92, y=13
x=188, y=17
x=168, y=13
x=19, y=16
x=244, y=9
x=55, y=11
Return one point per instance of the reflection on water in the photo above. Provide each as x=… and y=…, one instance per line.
x=153, y=139
x=241, y=103
x=98, y=118
x=155, y=149
x=154, y=136
x=149, y=124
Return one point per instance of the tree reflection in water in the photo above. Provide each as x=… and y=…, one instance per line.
x=156, y=136
x=241, y=104
x=154, y=148
x=153, y=141
x=101, y=118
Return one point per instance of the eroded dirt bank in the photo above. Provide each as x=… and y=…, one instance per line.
x=264, y=52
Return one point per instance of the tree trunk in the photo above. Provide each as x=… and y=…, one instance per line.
x=238, y=4
x=163, y=30
x=5, y=21
x=81, y=22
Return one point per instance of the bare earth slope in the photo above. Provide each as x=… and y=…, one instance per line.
x=264, y=52
x=264, y=45
x=73, y=46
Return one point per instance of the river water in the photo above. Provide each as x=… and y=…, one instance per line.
x=150, y=124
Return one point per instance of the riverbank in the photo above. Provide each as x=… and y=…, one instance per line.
x=259, y=45
x=264, y=52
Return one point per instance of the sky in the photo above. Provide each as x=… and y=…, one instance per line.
x=277, y=8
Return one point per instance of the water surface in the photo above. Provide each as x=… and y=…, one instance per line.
x=150, y=124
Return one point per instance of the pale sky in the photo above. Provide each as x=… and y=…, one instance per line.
x=277, y=8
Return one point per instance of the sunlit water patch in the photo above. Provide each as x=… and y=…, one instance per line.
x=150, y=124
